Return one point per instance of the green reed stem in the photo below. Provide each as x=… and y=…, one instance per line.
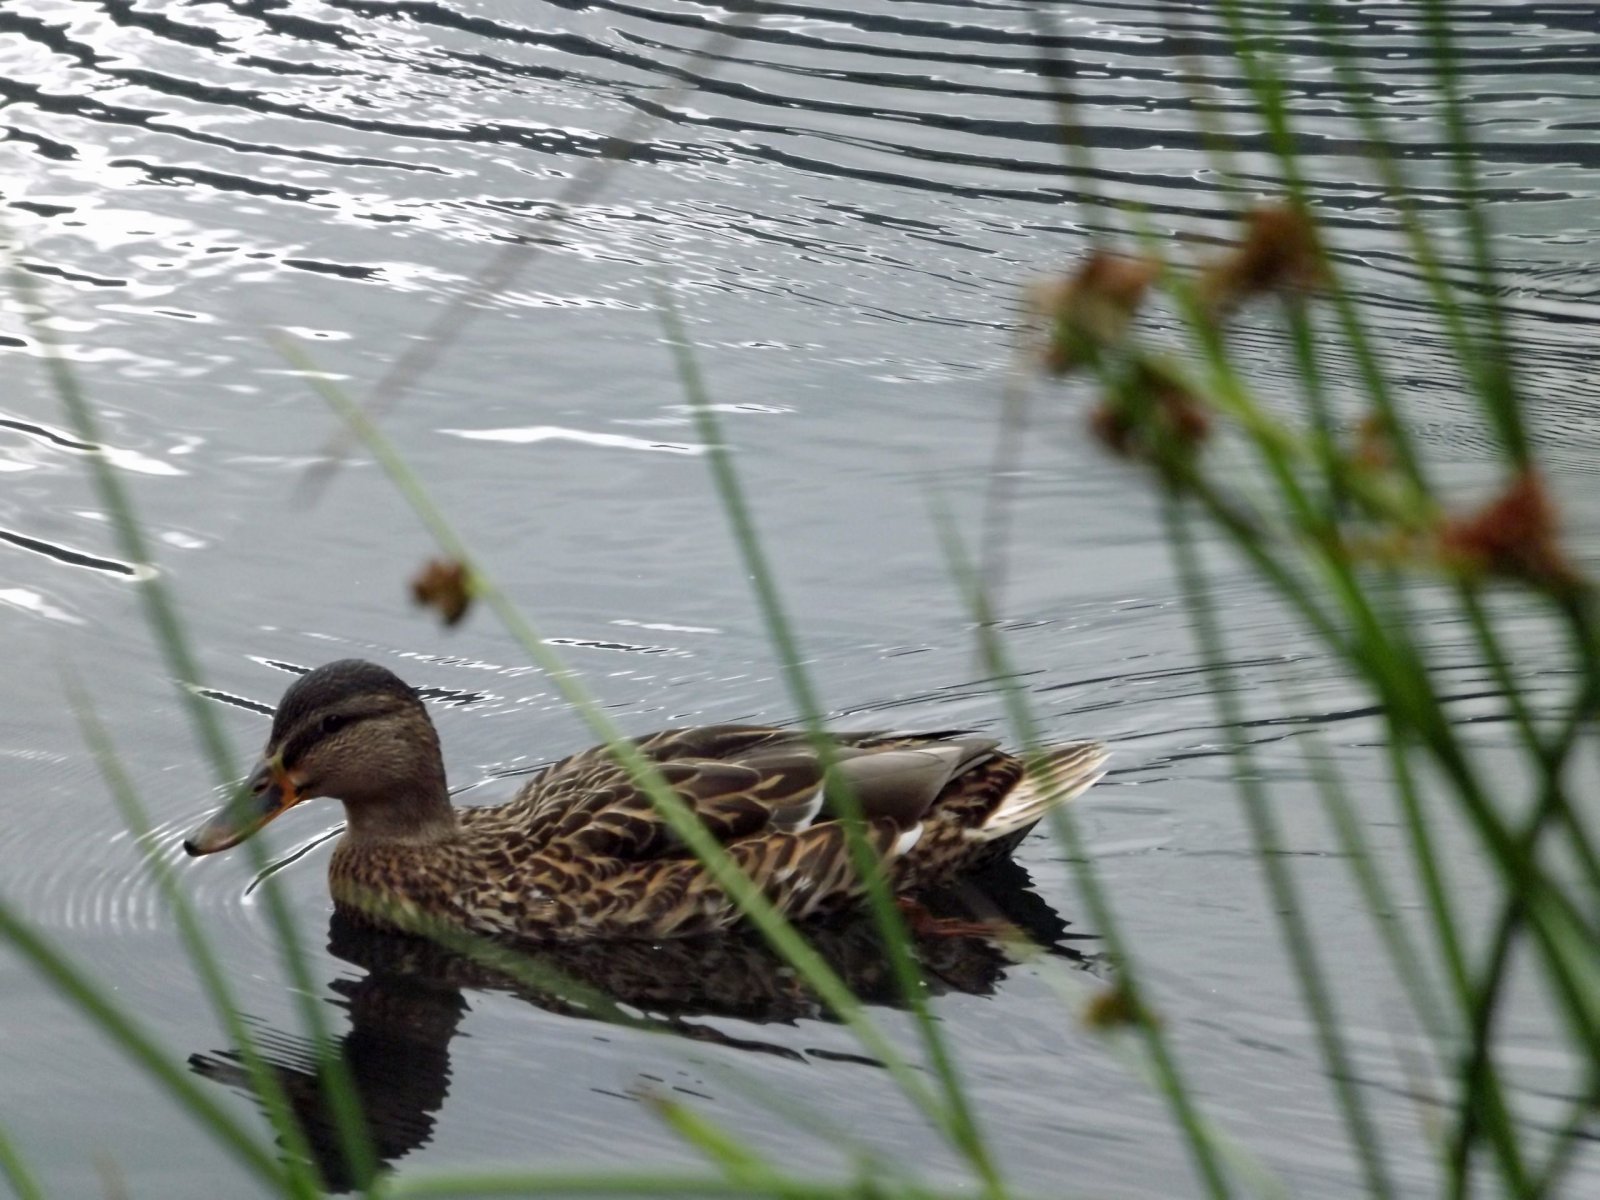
x=1489, y=990
x=1385, y=657
x=1057, y=71
x=1432, y=730
x=23, y=1183
x=1269, y=93
x=161, y=615
x=1298, y=937
x=642, y=1183
x=1325, y=446
x=1198, y=1136
x=781, y=635
x=723, y=1150
x=301, y=1178
x=355, y=1140
x=1368, y=364
x=1391, y=662
x=1496, y=355
x=1583, y=716
x=801, y=1117
x=1393, y=665
x=1489, y=365
x=1550, y=755
x=1478, y=1063
x=761, y=913
x=158, y=1063
x=1405, y=955
x=1496, y=1115
x=1482, y=1091
x=1568, y=1140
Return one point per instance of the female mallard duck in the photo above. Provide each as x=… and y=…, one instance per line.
x=580, y=852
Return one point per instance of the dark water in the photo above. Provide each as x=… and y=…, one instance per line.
x=847, y=199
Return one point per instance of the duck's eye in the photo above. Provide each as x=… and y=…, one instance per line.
x=332, y=723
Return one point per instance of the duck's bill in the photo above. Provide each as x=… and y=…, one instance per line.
x=268, y=792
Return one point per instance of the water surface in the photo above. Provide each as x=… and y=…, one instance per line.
x=846, y=200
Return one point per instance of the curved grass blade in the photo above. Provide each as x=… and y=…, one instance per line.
x=23, y=1183
x=781, y=635
x=161, y=615
x=779, y=932
x=157, y=1062
x=301, y=1180
x=1164, y=1065
x=1298, y=938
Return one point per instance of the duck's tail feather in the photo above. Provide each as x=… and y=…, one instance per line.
x=1059, y=774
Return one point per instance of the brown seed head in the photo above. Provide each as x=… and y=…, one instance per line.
x=1514, y=536
x=1111, y=427
x=1152, y=412
x=443, y=584
x=1374, y=447
x=1115, y=1008
x=1090, y=309
x=1279, y=253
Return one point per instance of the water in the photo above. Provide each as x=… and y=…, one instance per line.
x=847, y=200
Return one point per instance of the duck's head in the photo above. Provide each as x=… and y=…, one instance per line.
x=351, y=730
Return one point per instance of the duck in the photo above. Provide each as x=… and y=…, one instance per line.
x=581, y=852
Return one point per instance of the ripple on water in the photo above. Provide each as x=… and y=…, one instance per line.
x=108, y=885
x=849, y=196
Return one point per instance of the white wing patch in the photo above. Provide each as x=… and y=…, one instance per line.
x=903, y=843
x=796, y=819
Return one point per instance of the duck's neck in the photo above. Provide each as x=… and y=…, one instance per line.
x=421, y=814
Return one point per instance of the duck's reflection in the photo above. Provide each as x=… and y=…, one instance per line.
x=408, y=1006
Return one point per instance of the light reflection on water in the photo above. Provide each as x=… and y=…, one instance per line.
x=846, y=204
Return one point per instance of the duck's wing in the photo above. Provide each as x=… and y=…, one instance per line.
x=743, y=782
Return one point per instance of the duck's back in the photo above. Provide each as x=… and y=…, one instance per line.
x=583, y=852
